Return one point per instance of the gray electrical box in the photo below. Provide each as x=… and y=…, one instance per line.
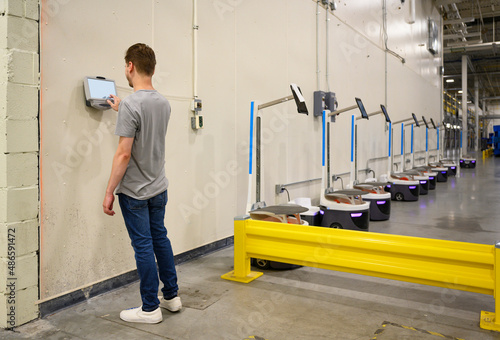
x=331, y=101
x=319, y=103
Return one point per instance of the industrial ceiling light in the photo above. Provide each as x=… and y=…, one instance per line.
x=450, y=80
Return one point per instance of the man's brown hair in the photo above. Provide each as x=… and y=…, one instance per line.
x=143, y=57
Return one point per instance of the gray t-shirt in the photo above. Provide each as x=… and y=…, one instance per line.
x=144, y=115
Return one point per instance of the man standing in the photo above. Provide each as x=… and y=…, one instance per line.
x=138, y=175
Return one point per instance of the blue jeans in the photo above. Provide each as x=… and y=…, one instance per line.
x=144, y=220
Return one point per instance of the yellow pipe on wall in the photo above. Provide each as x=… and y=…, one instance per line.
x=449, y=264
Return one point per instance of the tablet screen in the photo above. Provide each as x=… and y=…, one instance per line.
x=387, y=119
x=361, y=108
x=100, y=88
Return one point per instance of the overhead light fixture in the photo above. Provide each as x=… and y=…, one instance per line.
x=460, y=91
x=450, y=80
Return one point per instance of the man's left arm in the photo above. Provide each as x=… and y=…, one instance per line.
x=120, y=162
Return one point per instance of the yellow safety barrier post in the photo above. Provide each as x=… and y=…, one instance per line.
x=488, y=319
x=241, y=272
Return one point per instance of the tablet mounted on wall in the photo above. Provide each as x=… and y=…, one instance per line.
x=361, y=108
x=98, y=91
x=415, y=119
x=425, y=122
x=384, y=111
x=434, y=125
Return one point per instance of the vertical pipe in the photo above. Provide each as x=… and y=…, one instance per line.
x=463, y=149
x=323, y=182
x=402, y=146
x=355, y=152
x=351, y=176
x=411, y=147
x=426, y=146
x=476, y=113
x=323, y=140
x=317, y=47
x=257, y=161
x=485, y=130
x=327, y=48
x=328, y=173
x=437, y=132
x=250, y=159
x=389, y=160
x=195, y=48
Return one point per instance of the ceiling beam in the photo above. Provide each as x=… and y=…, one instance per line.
x=460, y=35
x=459, y=21
x=447, y=2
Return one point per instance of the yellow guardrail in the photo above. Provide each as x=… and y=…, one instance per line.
x=450, y=264
x=487, y=153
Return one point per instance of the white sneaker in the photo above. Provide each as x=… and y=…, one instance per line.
x=138, y=315
x=173, y=305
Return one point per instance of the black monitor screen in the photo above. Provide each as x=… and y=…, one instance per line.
x=425, y=122
x=361, y=108
x=384, y=111
x=299, y=99
x=415, y=119
x=432, y=122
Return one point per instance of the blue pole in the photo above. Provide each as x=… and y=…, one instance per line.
x=252, y=105
x=390, y=132
x=426, y=139
x=402, y=137
x=411, y=144
x=324, y=126
x=437, y=138
x=460, y=139
x=352, y=139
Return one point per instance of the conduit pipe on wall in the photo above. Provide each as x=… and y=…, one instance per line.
x=318, y=86
x=411, y=12
x=327, y=49
x=195, y=49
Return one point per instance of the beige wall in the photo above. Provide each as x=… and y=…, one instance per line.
x=248, y=50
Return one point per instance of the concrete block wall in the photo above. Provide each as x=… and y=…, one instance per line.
x=19, y=147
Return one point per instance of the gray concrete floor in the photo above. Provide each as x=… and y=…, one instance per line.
x=309, y=303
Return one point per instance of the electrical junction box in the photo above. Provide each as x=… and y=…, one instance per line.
x=324, y=101
x=331, y=101
x=196, y=105
x=319, y=103
x=197, y=122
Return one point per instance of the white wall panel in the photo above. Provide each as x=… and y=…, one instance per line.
x=247, y=51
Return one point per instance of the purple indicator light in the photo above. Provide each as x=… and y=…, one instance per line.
x=356, y=215
x=380, y=202
x=388, y=185
x=443, y=172
x=423, y=182
x=473, y=161
x=453, y=168
x=432, y=177
x=412, y=187
x=461, y=161
x=321, y=212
